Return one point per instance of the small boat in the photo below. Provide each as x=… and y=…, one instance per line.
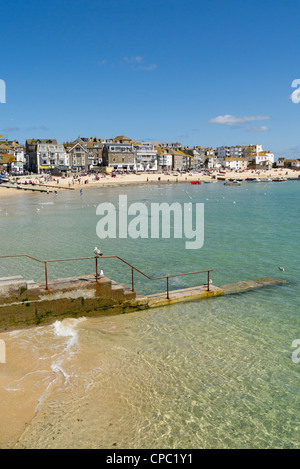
x=3, y=180
x=279, y=180
x=232, y=183
x=195, y=182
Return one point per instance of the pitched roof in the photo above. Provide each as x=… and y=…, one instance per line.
x=121, y=137
x=7, y=158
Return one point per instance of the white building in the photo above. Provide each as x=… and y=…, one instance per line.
x=213, y=162
x=229, y=152
x=17, y=167
x=51, y=156
x=256, y=155
x=236, y=164
x=165, y=161
x=145, y=157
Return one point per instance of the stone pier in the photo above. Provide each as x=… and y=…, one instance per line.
x=25, y=303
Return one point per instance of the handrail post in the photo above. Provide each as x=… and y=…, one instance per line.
x=96, y=269
x=168, y=296
x=208, y=280
x=46, y=275
x=132, y=278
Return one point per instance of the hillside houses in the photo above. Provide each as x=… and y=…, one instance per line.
x=122, y=153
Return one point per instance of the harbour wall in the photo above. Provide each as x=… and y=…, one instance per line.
x=26, y=303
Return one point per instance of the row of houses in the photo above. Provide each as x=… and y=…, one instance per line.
x=124, y=154
x=286, y=163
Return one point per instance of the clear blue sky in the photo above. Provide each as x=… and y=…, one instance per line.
x=200, y=72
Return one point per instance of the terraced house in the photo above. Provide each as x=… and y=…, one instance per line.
x=78, y=156
x=119, y=156
x=125, y=154
x=164, y=159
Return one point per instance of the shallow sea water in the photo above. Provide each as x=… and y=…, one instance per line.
x=211, y=374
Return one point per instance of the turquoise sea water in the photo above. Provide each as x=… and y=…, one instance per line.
x=215, y=373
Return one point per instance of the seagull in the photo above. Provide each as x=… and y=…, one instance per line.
x=98, y=252
x=281, y=268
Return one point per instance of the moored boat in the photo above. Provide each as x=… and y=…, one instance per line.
x=232, y=183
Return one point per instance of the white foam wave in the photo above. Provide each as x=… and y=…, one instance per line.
x=66, y=328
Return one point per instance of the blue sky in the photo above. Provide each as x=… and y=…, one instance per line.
x=200, y=72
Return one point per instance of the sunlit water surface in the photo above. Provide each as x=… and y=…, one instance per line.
x=211, y=374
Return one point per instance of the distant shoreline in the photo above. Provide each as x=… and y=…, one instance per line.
x=134, y=180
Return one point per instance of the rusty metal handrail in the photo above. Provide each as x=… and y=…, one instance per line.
x=167, y=277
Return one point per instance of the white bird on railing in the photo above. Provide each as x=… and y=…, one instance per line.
x=209, y=283
x=98, y=252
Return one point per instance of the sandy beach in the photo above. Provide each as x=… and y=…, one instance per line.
x=90, y=181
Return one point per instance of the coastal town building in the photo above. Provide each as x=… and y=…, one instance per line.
x=95, y=148
x=229, y=152
x=17, y=167
x=119, y=156
x=179, y=160
x=288, y=163
x=78, y=157
x=145, y=157
x=257, y=156
x=213, y=162
x=43, y=155
x=122, y=139
x=254, y=154
x=164, y=159
x=122, y=153
x=198, y=156
x=7, y=157
x=208, y=152
x=85, y=152
x=169, y=145
x=236, y=164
